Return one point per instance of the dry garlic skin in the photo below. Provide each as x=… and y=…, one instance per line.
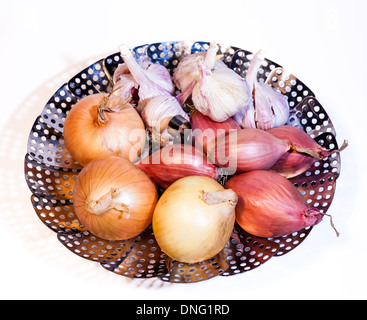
x=218, y=91
x=220, y=94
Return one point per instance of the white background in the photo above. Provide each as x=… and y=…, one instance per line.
x=44, y=43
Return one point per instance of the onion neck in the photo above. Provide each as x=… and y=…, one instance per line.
x=106, y=203
x=111, y=103
x=217, y=197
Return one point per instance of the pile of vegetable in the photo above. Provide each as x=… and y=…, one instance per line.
x=148, y=161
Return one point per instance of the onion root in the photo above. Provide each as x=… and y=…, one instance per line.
x=107, y=203
x=222, y=196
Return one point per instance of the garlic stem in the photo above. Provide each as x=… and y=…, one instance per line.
x=211, y=54
x=257, y=60
x=222, y=196
x=134, y=68
x=107, y=203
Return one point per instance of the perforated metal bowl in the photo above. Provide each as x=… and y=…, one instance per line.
x=50, y=173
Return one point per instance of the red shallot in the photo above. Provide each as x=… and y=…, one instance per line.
x=176, y=161
x=293, y=163
x=270, y=206
x=205, y=130
x=252, y=149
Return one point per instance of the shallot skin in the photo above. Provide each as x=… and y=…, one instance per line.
x=205, y=130
x=248, y=149
x=269, y=205
x=293, y=163
x=173, y=162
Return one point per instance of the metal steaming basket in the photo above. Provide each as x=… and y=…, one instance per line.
x=50, y=173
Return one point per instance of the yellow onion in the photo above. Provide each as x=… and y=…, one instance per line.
x=114, y=199
x=99, y=125
x=194, y=218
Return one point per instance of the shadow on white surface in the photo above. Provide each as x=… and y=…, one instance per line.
x=23, y=233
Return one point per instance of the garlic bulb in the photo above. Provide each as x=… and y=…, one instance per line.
x=124, y=82
x=158, y=113
x=150, y=79
x=219, y=92
x=269, y=107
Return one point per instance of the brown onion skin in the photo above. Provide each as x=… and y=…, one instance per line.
x=175, y=162
x=137, y=193
x=269, y=205
x=293, y=163
x=248, y=149
x=87, y=139
x=205, y=130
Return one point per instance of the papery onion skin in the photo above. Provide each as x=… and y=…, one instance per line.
x=174, y=162
x=248, y=149
x=205, y=130
x=123, y=133
x=269, y=205
x=186, y=228
x=130, y=198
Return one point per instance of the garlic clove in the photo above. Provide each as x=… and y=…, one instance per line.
x=246, y=116
x=269, y=107
x=124, y=86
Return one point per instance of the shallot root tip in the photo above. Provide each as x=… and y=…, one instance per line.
x=314, y=212
x=344, y=145
x=332, y=224
x=222, y=196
